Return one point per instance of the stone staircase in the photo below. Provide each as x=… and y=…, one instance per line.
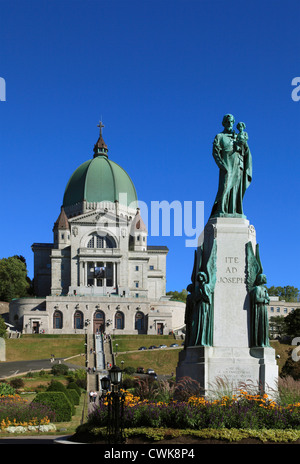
x=99, y=357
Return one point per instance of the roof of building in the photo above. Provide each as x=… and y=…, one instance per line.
x=157, y=248
x=138, y=223
x=100, y=179
x=62, y=221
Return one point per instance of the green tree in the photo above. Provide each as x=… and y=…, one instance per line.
x=178, y=296
x=13, y=278
x=291, y=368
x=292, y=323
x=287, y=293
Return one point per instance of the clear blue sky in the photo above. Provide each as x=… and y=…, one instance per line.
x=161, y=74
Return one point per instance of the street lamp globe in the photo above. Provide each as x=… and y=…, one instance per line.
x=105, y=382
x=115, y=374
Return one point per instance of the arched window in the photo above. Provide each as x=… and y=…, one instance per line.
x=98, y=241
x=91, y=243
x=57, y=320
x=110, y=242
x=78, y=320
x=140, y=322
x=119, y=320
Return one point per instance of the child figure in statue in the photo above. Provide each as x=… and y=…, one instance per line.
x=242, y=137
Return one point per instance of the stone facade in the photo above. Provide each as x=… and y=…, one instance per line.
x=99, y=274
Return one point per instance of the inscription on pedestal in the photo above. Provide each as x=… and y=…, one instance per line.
x=231, y=269
x=233, y=374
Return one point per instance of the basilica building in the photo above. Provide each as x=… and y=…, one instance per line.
x=99, y=274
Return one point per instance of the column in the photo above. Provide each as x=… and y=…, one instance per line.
x=114, y=275
x=85, y=272
x=81, y=273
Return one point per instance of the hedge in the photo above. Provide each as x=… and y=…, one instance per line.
x=74, y=386
x=56, y=386
x=73, y=395
x=58, y=402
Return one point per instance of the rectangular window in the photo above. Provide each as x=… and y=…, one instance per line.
x=136, y=268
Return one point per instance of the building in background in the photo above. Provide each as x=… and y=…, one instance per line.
x=99, y=274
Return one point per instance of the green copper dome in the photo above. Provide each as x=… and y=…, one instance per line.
x=100, y=179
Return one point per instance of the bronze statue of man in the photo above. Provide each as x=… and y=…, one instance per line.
x=233, y=157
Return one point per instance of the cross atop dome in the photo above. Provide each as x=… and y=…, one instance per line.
x=100, y=147
x=101, y=126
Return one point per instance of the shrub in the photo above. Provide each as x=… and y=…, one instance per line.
x=6, y=389
x=17, y=383
x=73, y=396
x=56, y=386
x=40, y=388
x=289, y=390
x=74, y=386
x=69, y=396
x=59, y=369
x=291, y=368
x=80, y=378
x=58, y=402
x=185, y=388
x=129, y=370
x=81, y=383
x=128, y=382
x=145, y=388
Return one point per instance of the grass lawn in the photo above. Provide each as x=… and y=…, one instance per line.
x=134, y=342
x=38, y=346
x=163, y=361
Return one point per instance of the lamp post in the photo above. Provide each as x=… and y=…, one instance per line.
x=115, y=407
x=105, y=384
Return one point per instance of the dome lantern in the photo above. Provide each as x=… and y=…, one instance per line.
x=100, y=147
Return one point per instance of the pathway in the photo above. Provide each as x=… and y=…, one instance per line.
x=99, y=354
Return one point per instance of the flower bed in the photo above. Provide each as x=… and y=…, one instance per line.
x=17, y=414
x=243, y=411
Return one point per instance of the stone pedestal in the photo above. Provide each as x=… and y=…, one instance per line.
x=230, y=358
x=253, y=369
